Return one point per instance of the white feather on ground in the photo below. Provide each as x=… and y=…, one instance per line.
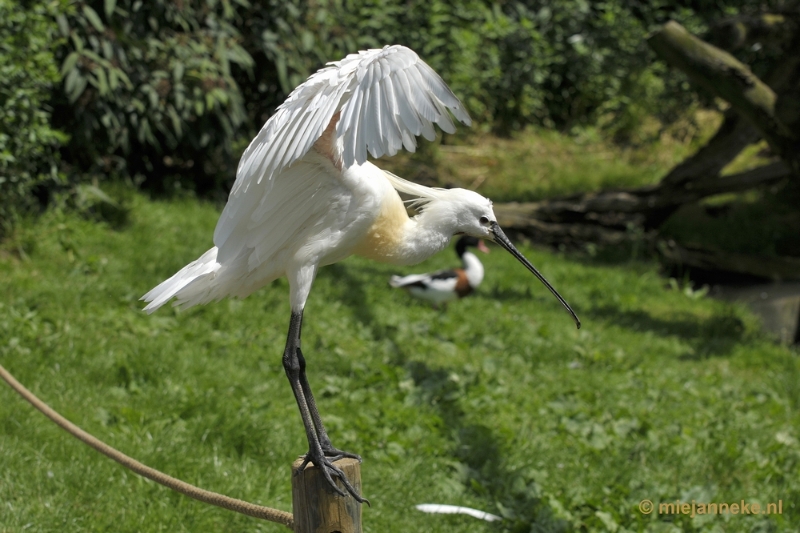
x=437, y=508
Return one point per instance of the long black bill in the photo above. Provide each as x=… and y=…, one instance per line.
x=501, y=239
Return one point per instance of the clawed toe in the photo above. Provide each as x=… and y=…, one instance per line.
x=334, y=454
x=329, y=470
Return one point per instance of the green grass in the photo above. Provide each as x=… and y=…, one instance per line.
x=497, y=403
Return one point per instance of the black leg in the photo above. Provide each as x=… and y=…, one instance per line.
x=325, y=442
x=294, y=365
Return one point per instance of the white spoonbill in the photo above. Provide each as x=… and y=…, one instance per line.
x=305, y=196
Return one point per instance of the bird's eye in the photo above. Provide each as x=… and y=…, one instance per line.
x=484, y=220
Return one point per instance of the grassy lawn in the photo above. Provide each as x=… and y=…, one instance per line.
x=497, y=403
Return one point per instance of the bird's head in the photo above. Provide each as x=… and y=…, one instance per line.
x=474, y=216
x=472, y=213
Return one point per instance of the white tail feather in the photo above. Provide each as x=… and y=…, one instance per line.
x=191, y=284
x=401, y=281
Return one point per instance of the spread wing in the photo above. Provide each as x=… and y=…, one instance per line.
x=386, y=98
x=307, y=206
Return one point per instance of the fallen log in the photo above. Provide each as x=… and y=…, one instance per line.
x=617, y=210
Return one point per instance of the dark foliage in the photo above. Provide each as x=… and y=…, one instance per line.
x=169, y=92
x=28, y=77
x=148, y=89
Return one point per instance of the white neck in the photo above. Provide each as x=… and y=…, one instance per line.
x=397, y=239
x=423, y=236
x=472, y=268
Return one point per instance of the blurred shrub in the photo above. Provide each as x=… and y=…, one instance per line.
x=556, y=63
x=148, y=88
x=28, y=74
x=174, y=89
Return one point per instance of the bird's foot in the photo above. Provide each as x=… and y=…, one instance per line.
x=334, y=454
x=324, y=462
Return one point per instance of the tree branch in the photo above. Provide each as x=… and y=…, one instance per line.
x=736, y=32
x=731, y=138
x=757, y=177
x=726, y=77
x=775, y=268
x=598, y=217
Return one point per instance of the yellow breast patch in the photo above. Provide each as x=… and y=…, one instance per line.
x=383, y=239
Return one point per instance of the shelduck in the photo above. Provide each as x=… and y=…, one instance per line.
x=447, y=285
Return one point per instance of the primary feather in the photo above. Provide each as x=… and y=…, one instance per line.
x=355, y=87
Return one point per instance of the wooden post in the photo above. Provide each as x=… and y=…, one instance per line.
x=317, y=508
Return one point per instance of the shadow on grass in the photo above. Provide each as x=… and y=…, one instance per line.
x=477, y=448
x=714, y=336
x=352, y=292
x=529, y=293
x=480, y=452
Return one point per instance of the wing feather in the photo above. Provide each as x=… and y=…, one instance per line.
x=388, y=111
x=300, y=139
x=284, y=148
x=409, y=143
x=260, y=236
x=420, y=98
x=407, y=112
x=427, y=130
x=386, y=97
x=358, y=131
x=375, y=131
x=351, y=116
x=444, y=120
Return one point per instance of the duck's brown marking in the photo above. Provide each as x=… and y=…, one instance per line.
x=463, y=288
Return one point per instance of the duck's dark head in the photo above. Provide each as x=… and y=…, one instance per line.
x=468, y=241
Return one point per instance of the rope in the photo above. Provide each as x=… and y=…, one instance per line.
x=220, y=500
